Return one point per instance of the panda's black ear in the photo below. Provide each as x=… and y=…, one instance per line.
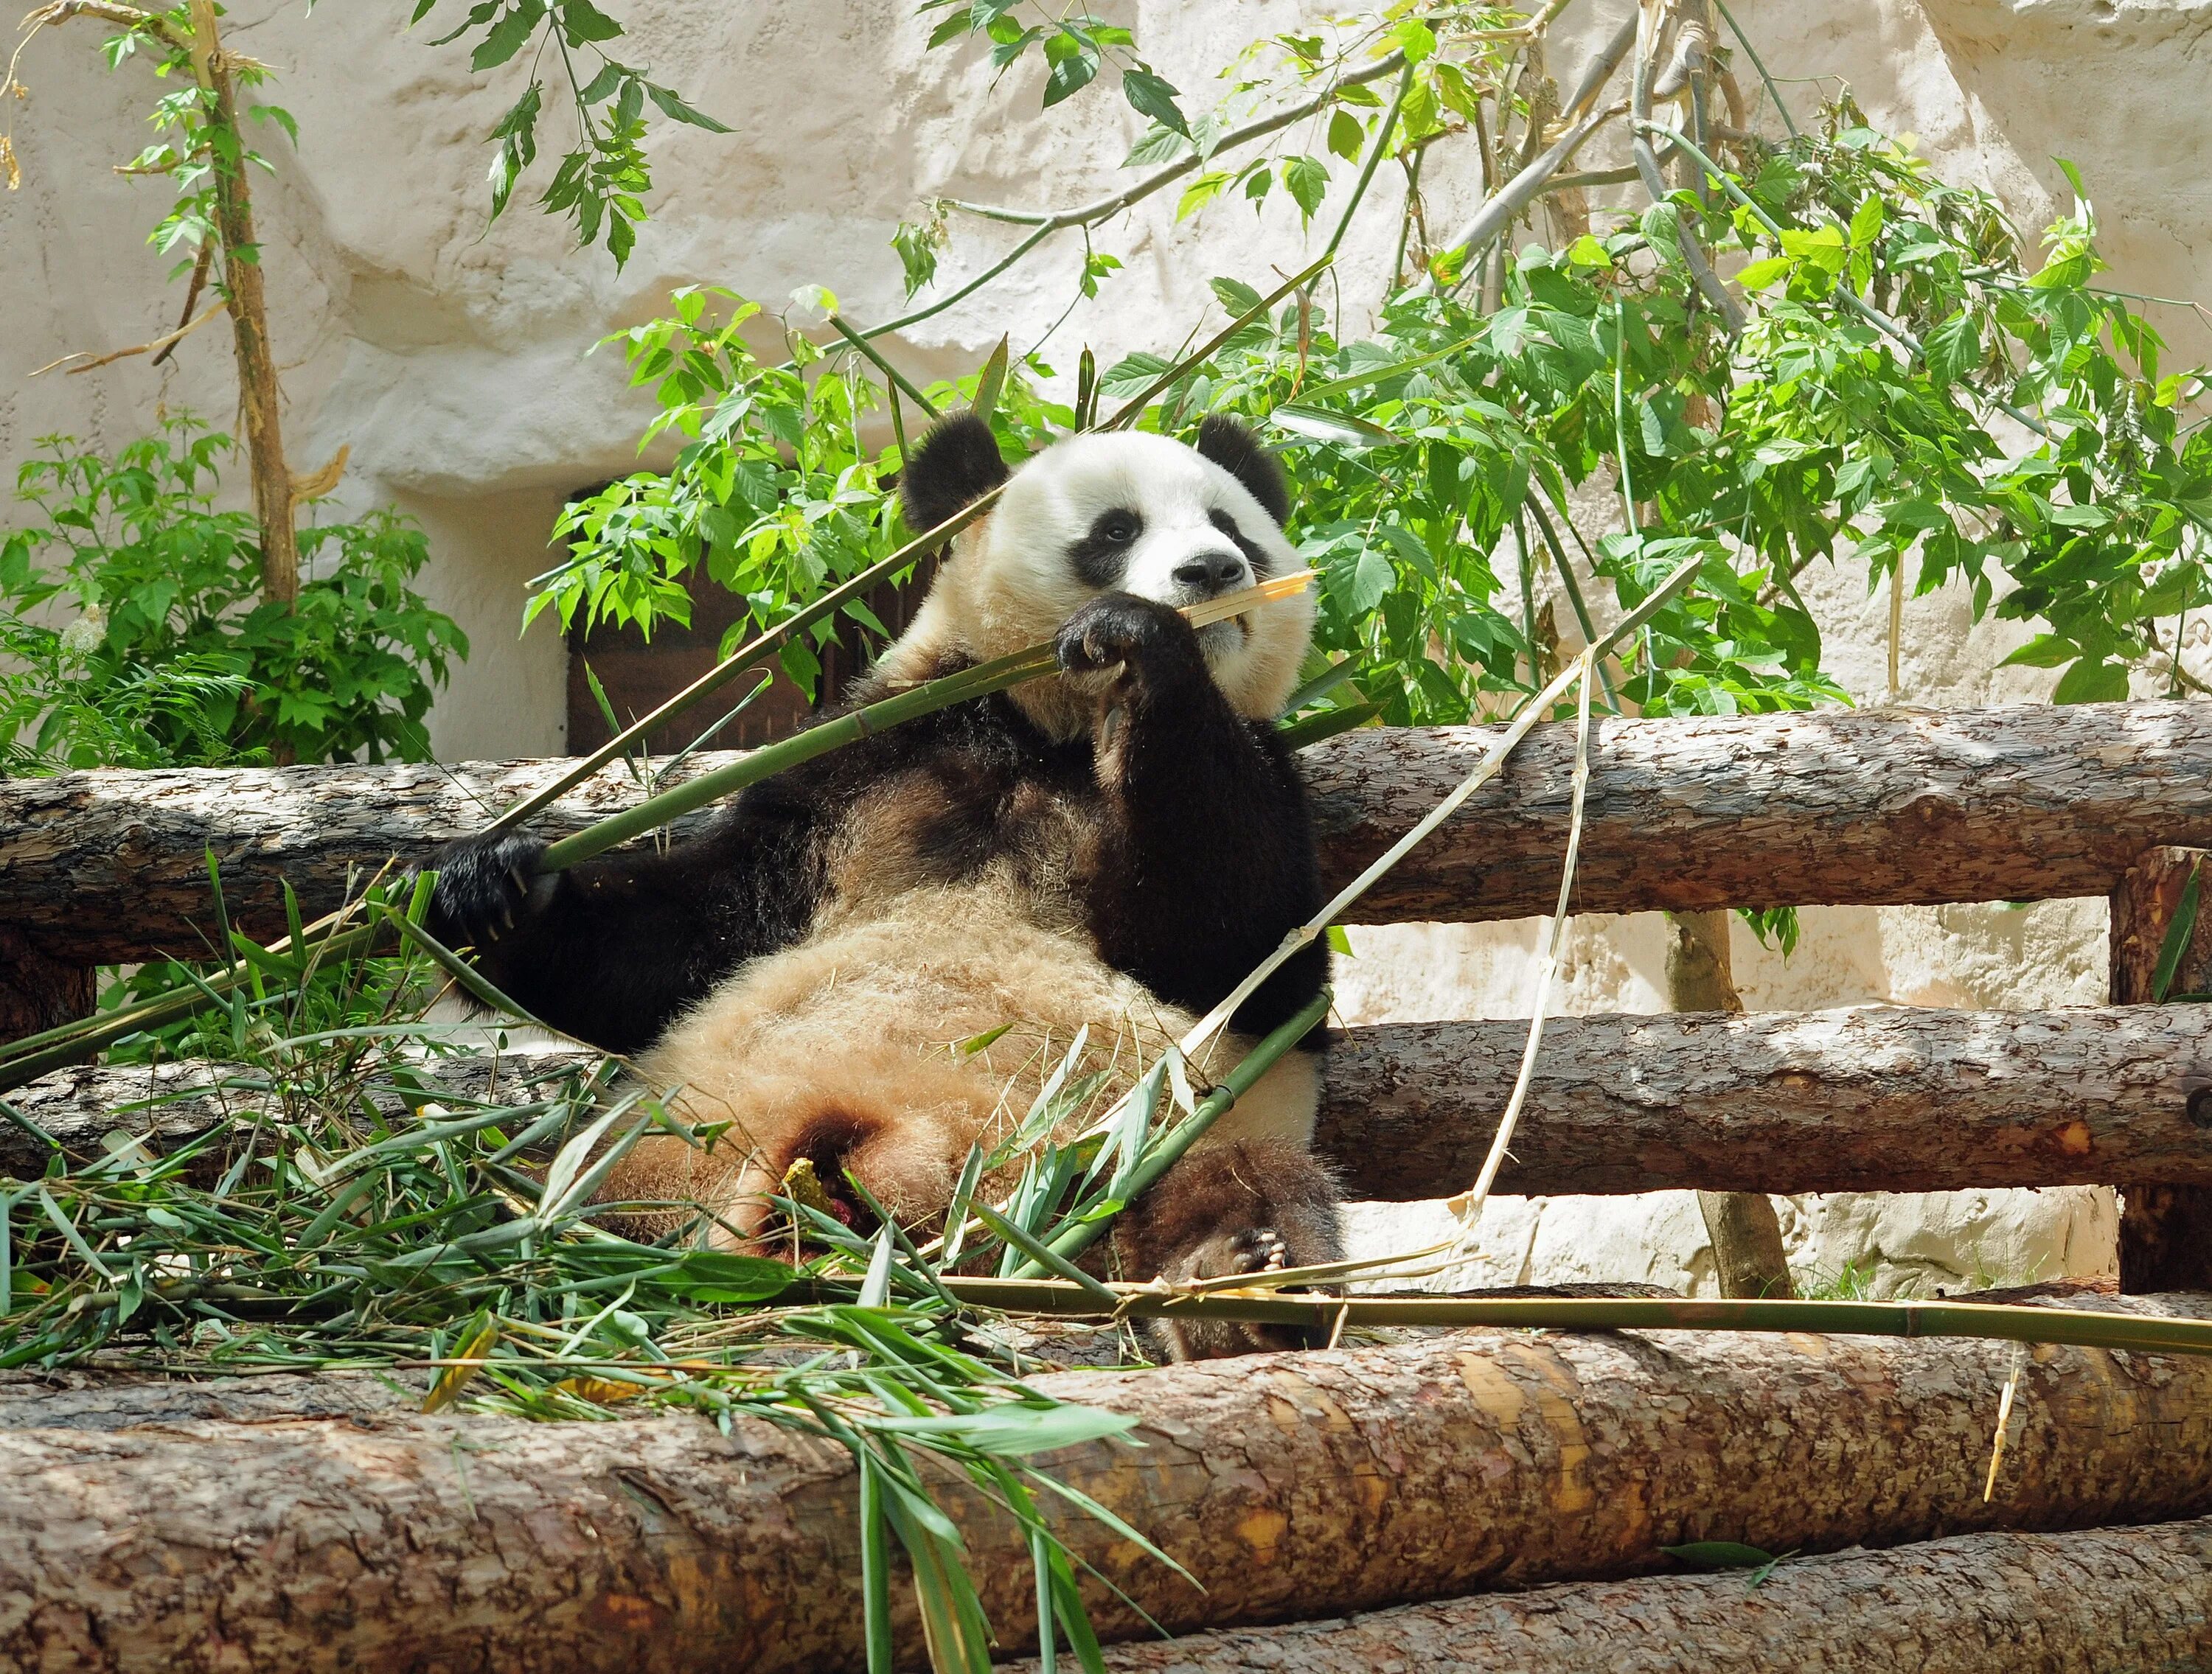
x=957, y=463
x=1238, y=451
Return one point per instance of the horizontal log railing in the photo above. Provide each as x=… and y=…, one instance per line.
x=1867, y=1098
x=146, y=1526
x=1836, y=807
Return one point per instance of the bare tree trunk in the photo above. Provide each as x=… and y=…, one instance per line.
x=2166, y=1228
x=1864, y=1098
x=168, y=1529
x=1991, y=1603
x=1768, y=810
x=1748, y=1258
x=249, y=318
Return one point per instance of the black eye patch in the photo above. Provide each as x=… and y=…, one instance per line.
x=1255, y=554
x=1102, y=554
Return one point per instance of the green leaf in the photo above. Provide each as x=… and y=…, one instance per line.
x=1346, y=139
x=1074, y=62
x=1720, y=1554
x=582, y=23
x=1371, y=579
x=677, y=110
x=2044, y=651
x=2093, y=680
x=1866, y=222
x=508, y=35
x=1953, y=349
x=1306, y=178
x=1758, y=275
x=1200, y=193
x=990, y=381
x=1321, y=424
x=1153, y=96
x=2177, y=935
x=1234, y=294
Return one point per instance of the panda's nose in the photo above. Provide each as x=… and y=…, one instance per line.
x=1206, y=574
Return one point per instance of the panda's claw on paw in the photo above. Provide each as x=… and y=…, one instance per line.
x=1259, y=1250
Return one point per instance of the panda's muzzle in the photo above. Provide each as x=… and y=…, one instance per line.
x=1209, y=574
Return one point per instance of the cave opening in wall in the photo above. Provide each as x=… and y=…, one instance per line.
x=638, y=674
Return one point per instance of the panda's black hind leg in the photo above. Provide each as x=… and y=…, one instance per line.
x=1245, y=1208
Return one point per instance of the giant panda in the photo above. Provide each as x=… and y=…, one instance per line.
x=1108, y=849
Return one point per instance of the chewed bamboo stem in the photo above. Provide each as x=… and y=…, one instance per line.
x=980, y=680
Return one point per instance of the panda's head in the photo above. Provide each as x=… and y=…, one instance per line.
x=1105, y=513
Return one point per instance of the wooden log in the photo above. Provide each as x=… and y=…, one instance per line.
x=1289, y=1486
x=1836, y=807
x=1867, y=1098
x=2084, y=1603
x=2166, y=1221
x=1864, y=1098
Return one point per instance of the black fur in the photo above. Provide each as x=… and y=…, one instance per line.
x=1256, y=555
x=1207, y=855
x=957, y=463
x=1102, y=556
x=1238, y=451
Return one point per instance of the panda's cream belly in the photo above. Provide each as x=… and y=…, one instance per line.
x=857, y=1046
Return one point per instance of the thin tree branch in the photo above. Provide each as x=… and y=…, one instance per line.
x=163, y=343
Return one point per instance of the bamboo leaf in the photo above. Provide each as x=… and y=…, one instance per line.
x=2179, y=935
x=476, y=1342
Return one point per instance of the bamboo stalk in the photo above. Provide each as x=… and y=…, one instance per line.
x=754, y=652
x=2004, y=1322
x=980, y=681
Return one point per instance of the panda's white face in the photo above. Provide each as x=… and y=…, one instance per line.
x=1129, y=514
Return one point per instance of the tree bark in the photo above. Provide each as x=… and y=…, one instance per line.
x=243, y=289
x=1867, y=1098
x=2166, y=1224
x=1768, y=810
x=38, y=992
x=1863, y=1098
x=2087, y=1603
x=190, y=1538
x=1745, y=1233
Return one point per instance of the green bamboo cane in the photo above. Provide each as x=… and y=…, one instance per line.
x=754, y=652
x=755, y=765
x=1996, y=1321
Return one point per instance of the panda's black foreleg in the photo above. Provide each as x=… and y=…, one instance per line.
x=612, y=950
x=1209, y=859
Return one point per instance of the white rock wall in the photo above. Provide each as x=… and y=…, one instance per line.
x=454, y=359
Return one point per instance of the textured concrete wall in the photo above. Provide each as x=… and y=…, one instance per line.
x=453, y=360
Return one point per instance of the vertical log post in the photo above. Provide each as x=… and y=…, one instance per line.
x=1748, y=1258
x=38, y=992
x=2165, y=1231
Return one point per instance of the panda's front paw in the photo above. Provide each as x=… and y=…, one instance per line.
x=486, y=887
x=1149, y=640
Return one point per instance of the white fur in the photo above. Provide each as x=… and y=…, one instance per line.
x=1009, y=586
